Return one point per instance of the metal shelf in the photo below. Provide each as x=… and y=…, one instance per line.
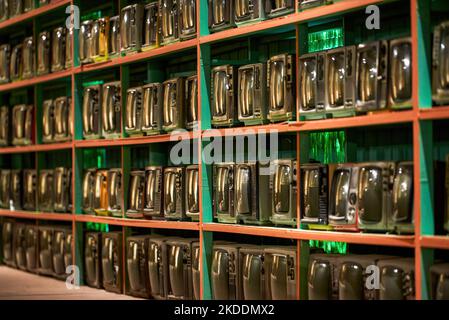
x=297, y=234
x=20, y=214
x=435, y=242
x=138, y=223
x=36, y=148
x=36, y=80
x=95, y=143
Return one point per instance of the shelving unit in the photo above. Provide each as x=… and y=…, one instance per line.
x=420, y=119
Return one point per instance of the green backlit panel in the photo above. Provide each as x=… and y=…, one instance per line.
x=92, y=15
x=326, y=39
x=92, y=83
x=328, y=147
x=100, y=227
x=329, y=246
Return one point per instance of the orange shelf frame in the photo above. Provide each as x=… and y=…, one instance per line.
x=435, y=242
x=297, y=234
x=435, y=113
x=373, y=119
x=36, y=148
x=36, y=80
x=138, y=223
x=20, y=214
x=34, y=13
x=135, y=140
x=249, y=130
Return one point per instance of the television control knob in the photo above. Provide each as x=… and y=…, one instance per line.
x=352, y=198
x=351, y=214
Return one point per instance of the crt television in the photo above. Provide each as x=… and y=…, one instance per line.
x=397, y=279
x=439, y=281
x=179, y=264
x=111, y=261
x=92, y=259
x=137, y=266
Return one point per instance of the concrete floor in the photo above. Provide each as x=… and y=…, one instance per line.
x=21, y=285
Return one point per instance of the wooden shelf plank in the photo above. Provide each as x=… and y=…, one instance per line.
x=138, y=223
x=374, y=119
x=158, y=52
x=135, y=140
x=435, y=113
x=36, y=215
x=36, y=148
x=36, y=80
x=435, y=242
x=356, y=238
x=249, y=130
x=34, y=13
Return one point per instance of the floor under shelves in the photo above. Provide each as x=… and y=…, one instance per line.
x=20, y=285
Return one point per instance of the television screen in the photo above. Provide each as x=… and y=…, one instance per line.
x=314, y=197
x=152, y=108
x=252, y=276
x=280, y=270
x=340, y=193
x=88, y=191
x=192, y=192
x=31, y=247
x=111, y=109
x=20, y=245
x=403, y=193
x=7, y=242
x=46, y=250
x=196, y=271
x=136, y=194
x=439, y=281
x=92, y=254
x=157, y=262
x=29, y=189
x=137, y=266
x=400, y=91
x=179, y=259
x=397, y=279
x=5, y=188
x=225, y=272
x=16, y=190
x=111, y=261
x=60, y=236
x=322, y=277
x=91, y=109
x=153, y=192
x=174, y=184
x=370, y=194
x=244, y=189
x=46, y=190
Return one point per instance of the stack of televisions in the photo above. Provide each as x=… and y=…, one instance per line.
x=12, y=8
x=162, y=267
x=45, y=250
x=345, y=277
x=157, y=267
x=340, y=82
x=139, y=27
x=48, y=191
x=156, y=192
x=372, y=196
x=54, y=53
x=18, y=130
x=149, y=110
